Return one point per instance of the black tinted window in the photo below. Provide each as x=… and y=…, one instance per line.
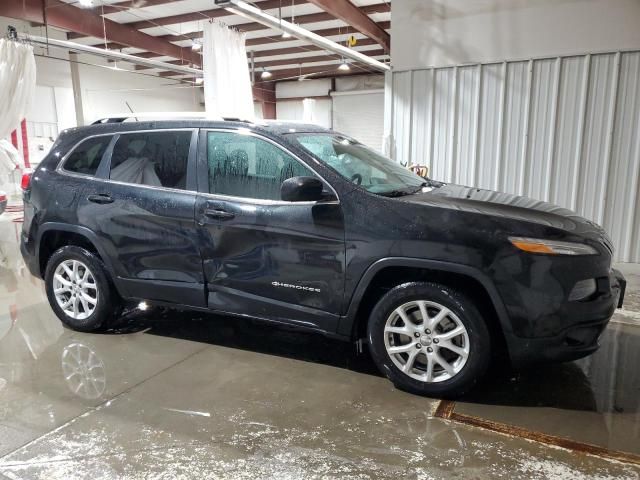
x=86, y=157
x=247, y=166
x=152, y=158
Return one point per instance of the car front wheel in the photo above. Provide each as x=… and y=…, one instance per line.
x=429, y=339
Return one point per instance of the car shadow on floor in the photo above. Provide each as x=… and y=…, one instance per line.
x=247, y=334
x=578, y=386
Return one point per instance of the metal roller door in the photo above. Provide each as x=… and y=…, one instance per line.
x=360, y=115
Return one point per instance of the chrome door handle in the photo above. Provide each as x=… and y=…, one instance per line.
x=101, y=198
x=219, y=214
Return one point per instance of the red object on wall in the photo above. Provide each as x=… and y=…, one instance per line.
x=14, y=138
x=25, y=143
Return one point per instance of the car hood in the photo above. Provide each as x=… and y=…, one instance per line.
x=510, y=206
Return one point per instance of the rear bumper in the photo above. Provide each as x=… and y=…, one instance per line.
x=27, y=249
x=579, y=339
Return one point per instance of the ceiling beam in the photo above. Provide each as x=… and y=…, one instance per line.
x=193, y=16
x=318, y=71
x=68, y=17
x=357, y=18
x=302, y=19
x=316, y=58
x=288, y=61
x=252, y=42
x=127, y=5
x=299, y=20
x=325, y=32
x=303, y=49
x=274, y=52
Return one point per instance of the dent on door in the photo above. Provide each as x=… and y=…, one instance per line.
x=279, y=261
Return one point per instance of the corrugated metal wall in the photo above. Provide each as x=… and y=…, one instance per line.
x=563, y=129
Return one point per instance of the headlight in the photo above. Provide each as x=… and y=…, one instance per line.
x=552, y=247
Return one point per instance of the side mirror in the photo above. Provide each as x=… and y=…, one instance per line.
x=301, y=189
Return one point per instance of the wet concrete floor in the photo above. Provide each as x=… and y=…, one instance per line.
x=170, y=395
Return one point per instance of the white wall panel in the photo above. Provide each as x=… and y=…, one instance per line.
x=542, y=120
x=361, y=116
x=489, y=124
x=515, y=127
x=293, y=110
x=569, y=128
x=422, y=126
x=622, y=188
x=466, y=123
x=401, y=107
x=560, y=129
x=595, y=144
x=443, y=132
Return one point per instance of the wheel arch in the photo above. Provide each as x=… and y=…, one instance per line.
x=390, y=272
x=53, y=235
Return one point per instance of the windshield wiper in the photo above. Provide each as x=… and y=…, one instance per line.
x=403, y=192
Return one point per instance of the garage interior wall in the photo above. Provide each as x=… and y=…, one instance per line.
x=559, y=128
x=352, y=105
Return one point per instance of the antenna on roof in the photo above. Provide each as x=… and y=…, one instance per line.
x=129, y=107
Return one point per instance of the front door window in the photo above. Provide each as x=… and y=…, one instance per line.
x=247, y=166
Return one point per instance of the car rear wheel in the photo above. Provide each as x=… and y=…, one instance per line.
x=429, y=339
x=79, y=290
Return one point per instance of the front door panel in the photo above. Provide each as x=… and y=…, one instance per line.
x=284, y=261
x=267, y=258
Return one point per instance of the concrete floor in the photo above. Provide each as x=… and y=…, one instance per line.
x=181, y=395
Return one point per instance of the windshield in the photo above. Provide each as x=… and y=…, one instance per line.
x=360, y=164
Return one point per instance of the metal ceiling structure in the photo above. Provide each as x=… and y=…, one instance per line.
x=166, y=30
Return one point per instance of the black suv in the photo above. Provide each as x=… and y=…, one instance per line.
x=299, y=225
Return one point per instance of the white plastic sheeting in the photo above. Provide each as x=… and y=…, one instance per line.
x=308, y=110
x=561, y=129
x=17, y=84
x=227, y=83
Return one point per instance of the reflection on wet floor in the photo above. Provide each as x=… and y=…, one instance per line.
x=182, y=393
x=165, y=394
x=595, y=400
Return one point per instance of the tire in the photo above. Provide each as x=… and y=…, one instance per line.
x=89, y=317
x=471, y=340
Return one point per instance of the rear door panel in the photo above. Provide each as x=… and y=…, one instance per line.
x=149, y=233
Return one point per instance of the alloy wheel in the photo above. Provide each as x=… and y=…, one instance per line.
x=426, y=341
x=75, y=289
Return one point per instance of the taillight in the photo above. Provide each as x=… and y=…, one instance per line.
x=3, y=197
x=26, y=179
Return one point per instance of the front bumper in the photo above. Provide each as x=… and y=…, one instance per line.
x=577, y=340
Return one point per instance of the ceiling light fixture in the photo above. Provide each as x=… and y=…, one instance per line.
x=265, y=74
x=344, y=66
x=196, y=46
x=244, y=9
x=199, y=81
x=86, y=3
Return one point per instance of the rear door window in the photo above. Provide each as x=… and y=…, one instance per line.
x=157, y=159
x=86, y=157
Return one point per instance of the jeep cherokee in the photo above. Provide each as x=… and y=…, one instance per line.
x=300, y=225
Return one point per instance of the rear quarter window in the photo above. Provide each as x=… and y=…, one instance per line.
x=86, y=157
